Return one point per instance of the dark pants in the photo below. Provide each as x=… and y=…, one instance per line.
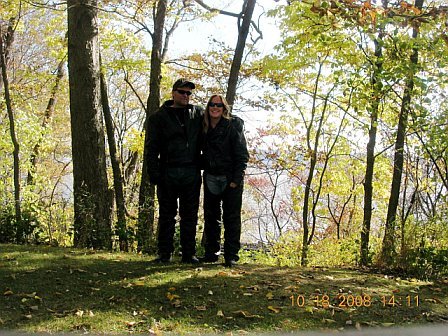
x=231, y=200
x=183, y=184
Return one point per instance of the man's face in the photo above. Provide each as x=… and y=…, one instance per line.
x=181, y=96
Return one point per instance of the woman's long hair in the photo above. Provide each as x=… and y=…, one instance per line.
x=225, y=114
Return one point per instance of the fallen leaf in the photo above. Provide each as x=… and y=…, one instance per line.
x=29, y=316
x=201, y=308
x=176, y=303
x=210, y=292
x=130, y=324
x=8, y=292
x=274, y=309
x=171, y=289
x=220, y=313
x=34, y=307
x=171, y=296
x=387, y=324
x=328, y=320
x=223, y=274
x=248, y=294
x=139, y=283
x=309, y=309
x=246, y=314
x=79, y=313
x=269, y=296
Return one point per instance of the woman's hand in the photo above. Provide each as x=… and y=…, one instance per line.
x=233, y=185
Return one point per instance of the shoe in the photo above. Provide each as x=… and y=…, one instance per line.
x=162, y=259
x=230, y=263
x=190, y=260
x=209, y=258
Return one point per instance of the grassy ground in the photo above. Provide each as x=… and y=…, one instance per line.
x=49, y=289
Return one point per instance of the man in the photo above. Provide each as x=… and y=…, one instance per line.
x=173, y=141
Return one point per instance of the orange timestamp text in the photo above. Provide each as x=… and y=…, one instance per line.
x=354, y=301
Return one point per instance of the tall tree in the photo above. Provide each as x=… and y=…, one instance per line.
x=388, y=247
x=121, y=228
x=376, y=89
x=243, y=30
x=92, y=198
x=12, y=129
x=147, y=190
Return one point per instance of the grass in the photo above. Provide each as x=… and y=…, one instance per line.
x=48, y=289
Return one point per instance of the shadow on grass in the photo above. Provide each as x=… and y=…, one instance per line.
x=56, y=289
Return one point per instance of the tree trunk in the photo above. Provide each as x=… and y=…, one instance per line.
x=92, y=198
x=116, y=171
x=388, y=247
x=370, y=154
x=145, y=232
x=243, y=30
x=16, y=152
x=49, y=111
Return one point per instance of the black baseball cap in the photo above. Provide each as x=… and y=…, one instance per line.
x=182, y=82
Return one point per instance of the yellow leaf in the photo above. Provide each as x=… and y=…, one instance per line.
x=171, y=289
x=171, y=296
x=387, y=324
x=220, y=313
x=139, y=283
x=309, y=309
x=8, y=292
x=274, y=309
x=269, y=296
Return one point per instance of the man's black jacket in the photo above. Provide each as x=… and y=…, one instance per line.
x=173, y=138
x=225, y=150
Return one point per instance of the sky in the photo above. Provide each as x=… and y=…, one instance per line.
x=224, y=28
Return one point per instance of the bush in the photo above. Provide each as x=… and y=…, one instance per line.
x=426, y=262
x=23, y=232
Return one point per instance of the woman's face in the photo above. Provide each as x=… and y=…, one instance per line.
x=215, y=108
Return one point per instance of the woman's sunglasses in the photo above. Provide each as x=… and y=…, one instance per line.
x=182, y=92
x=215, y=104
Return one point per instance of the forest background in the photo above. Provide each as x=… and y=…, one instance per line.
x=350, y=169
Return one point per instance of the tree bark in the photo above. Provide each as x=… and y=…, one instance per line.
x=92, y=198
x=248, y=10
x=116, y=170
x=16, y=151
x=370, y=154
x=146, y=231
x=388, y=247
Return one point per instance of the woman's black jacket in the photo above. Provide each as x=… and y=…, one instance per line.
x=225, y=150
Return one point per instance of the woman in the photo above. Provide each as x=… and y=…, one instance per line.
x=225, y=157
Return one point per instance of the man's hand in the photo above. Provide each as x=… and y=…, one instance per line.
x=233, y=185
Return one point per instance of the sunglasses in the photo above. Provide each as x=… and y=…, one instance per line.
x=182, y=92
x=216, y=104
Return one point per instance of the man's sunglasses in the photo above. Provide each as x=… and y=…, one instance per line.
x=182, y=92
x=215, y=104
